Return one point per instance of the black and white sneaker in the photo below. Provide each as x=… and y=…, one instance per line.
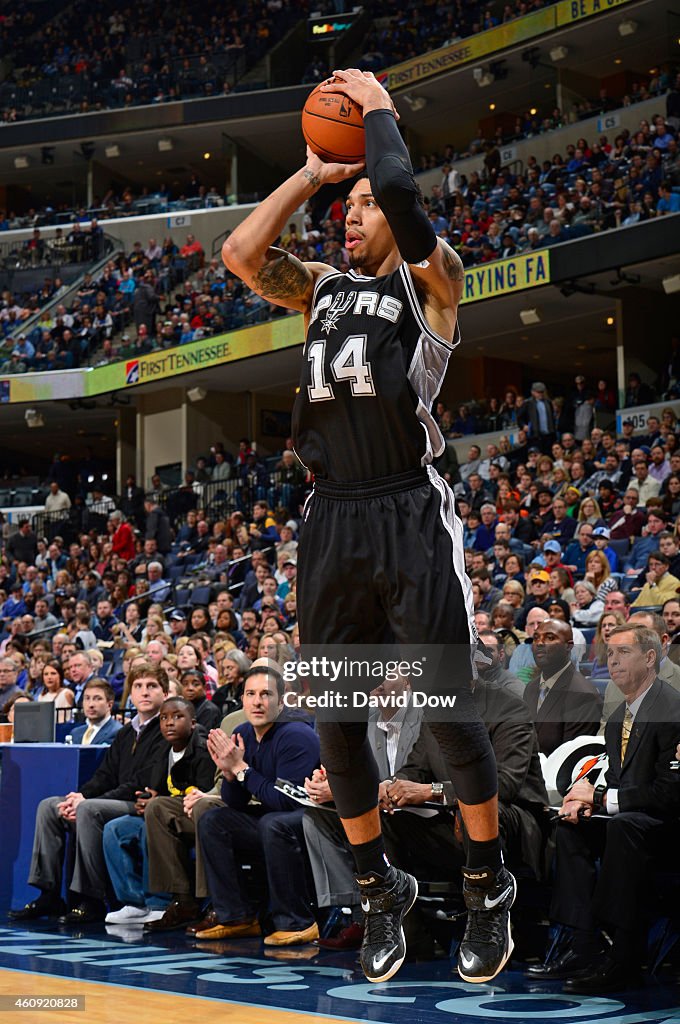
x=487, y=943
x=385, y=901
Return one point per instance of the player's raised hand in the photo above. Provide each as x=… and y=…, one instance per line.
x=362, y=87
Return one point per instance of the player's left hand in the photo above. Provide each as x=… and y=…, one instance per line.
x=329, y=173
x=362, y=87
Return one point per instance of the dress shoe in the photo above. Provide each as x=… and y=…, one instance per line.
x=349, y=938
x=177, y=915
x=44, y=906
x=606, y=976
x=234, y=930
x=209, y=921
x=298, y=938
x=566, y=965
x=89, y=912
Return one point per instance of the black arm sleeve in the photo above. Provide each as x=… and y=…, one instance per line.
x=391, y=176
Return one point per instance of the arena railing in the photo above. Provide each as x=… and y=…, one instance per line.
x=222, y=497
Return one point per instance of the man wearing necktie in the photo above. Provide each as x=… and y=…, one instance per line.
x=561, y=702
x=99, y=728
x=634, y=819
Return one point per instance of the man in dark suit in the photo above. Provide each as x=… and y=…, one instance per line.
x=562, y=703
x=634, y=819
x=537, y=413
x=99, y=727
x=666, y=669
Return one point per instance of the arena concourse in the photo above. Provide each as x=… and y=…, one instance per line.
x=152, y=503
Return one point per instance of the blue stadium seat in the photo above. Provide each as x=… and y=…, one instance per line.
x=600, y=684
x=200, y=595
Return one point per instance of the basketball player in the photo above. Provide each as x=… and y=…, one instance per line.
x=381, y=548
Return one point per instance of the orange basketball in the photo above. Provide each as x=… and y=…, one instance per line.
x=333, y=127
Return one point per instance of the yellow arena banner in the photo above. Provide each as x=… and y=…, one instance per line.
x=502, y=277
x=197, y=355
x=569, y=11
x=476, y=47
x=487, y=281
x=446, y=58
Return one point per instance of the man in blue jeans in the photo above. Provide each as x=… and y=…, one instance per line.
x=266, y=747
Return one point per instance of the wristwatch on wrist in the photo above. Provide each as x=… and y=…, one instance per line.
x=241, y=776
x=599, y=801
x=437, y=790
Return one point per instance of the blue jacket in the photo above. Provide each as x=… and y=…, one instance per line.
x=642, y=549
x=105, y=734
x=288, y=750
x=575, y=555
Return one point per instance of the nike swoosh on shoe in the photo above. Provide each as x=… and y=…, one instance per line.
x=490, y=904
x=379, y=963
x=467, y=964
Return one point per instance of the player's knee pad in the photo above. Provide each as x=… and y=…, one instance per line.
x=341, y=743
x=467, y=750
x=352, y=772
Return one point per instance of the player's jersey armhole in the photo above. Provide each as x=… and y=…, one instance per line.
x=322, y=279
x=420, y=316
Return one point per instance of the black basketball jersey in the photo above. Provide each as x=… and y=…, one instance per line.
x=372, y=368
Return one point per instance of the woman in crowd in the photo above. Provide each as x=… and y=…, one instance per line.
x=559, y=609
x=233, y=668
x=132, y=628
x=587, y=608
x=290, y=609
x=560, y=481
x=227, y=623
x=38, y=660
x=509, y=410
x=560, y=585
x=514, y=594
x=54, y=688
x=513, y=567
x=153, y=629
x=200, y=621
x=189, y=657
x=169, y=663
x=493, y=420
x=544, y=471
x=671, y=499
x=572, y=499
x=598, y=572
x=7, y=709
x=607, y=622
x=590, y=512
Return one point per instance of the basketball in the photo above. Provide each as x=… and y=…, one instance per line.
x=333, y=127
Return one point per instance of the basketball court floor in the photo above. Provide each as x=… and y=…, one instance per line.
x=116, y=974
